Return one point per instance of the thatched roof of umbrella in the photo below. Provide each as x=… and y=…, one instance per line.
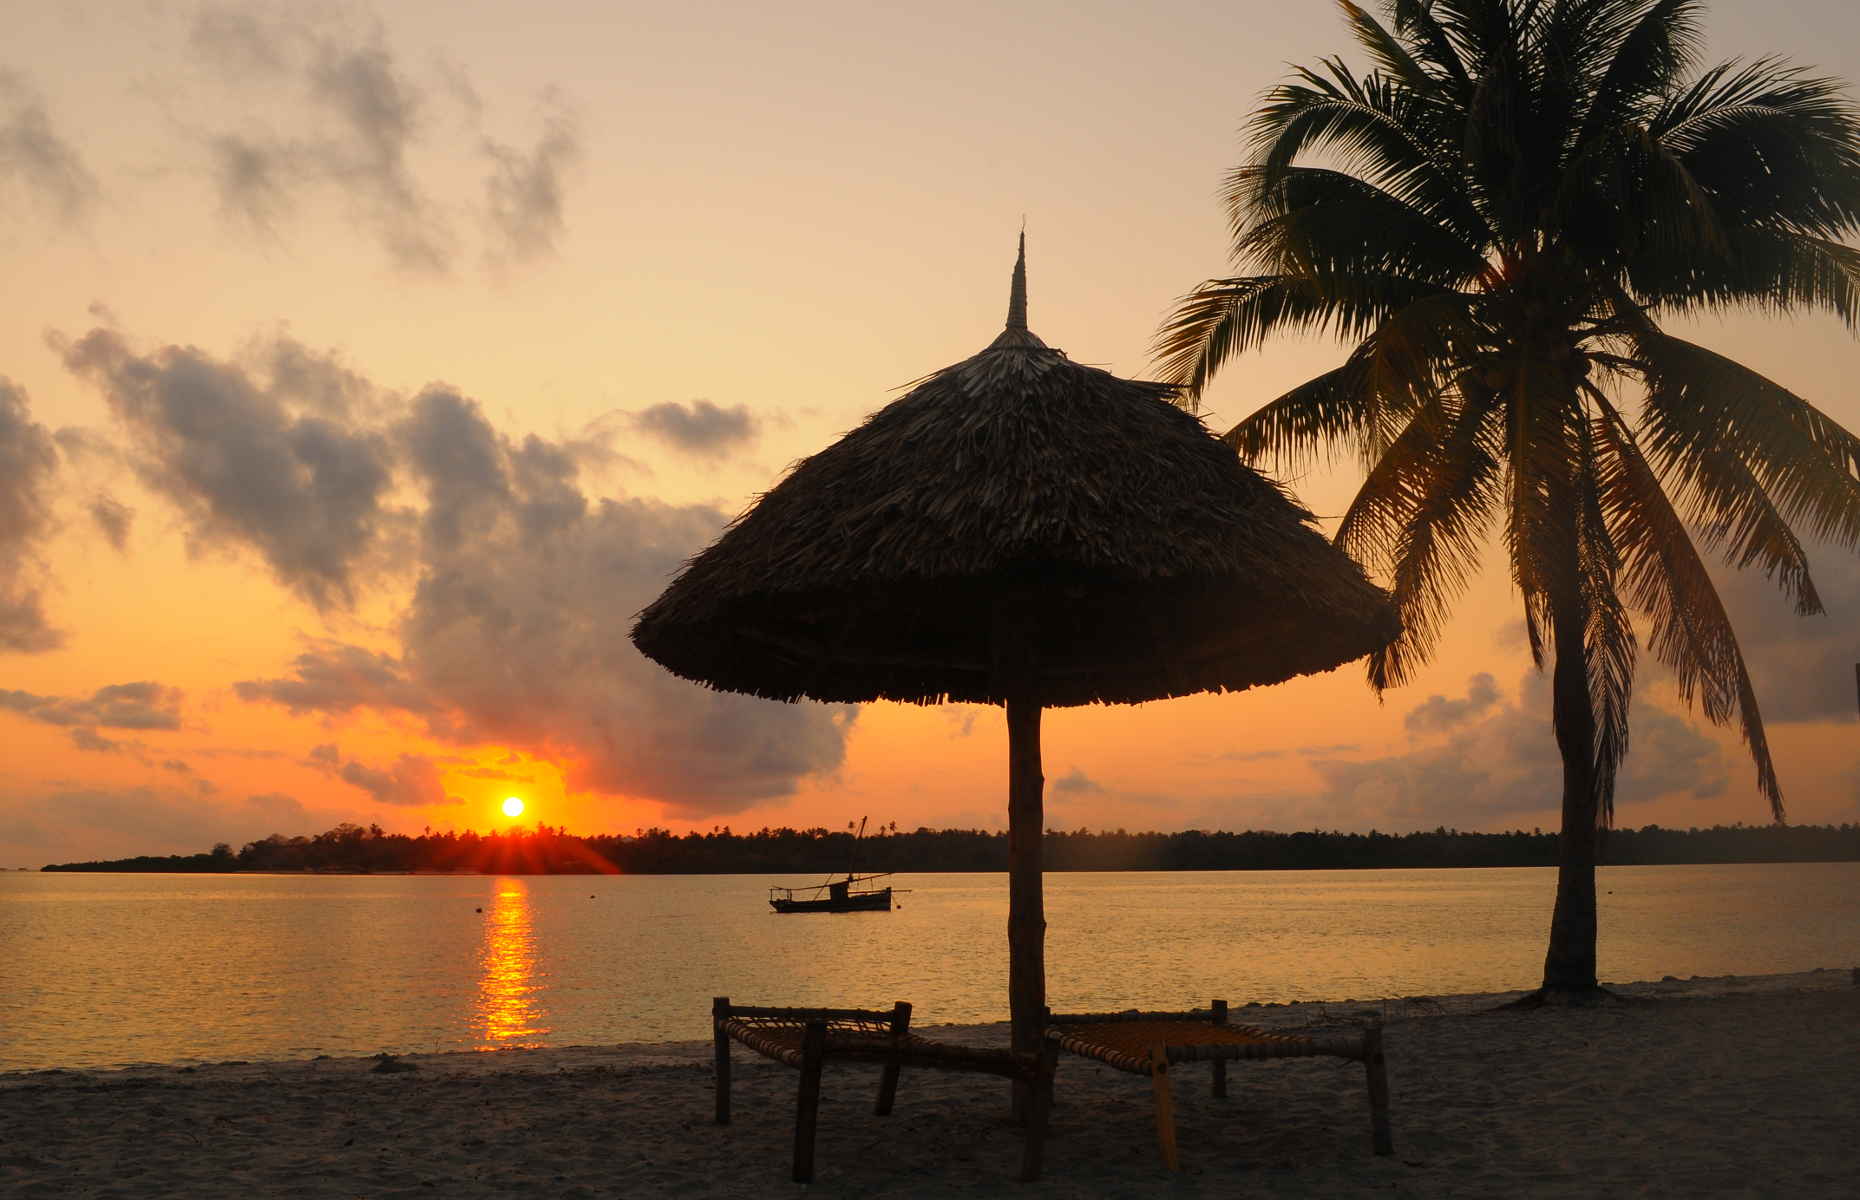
x=1024, y=530
x=1147, y=560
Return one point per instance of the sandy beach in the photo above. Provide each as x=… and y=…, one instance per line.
x=1738, y=1086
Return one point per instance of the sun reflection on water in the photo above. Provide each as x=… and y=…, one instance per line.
x=506, y=1013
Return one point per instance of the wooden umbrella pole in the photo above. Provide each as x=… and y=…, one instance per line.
x=1026, y=906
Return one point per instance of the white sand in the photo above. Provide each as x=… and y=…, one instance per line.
x=1739, y=1086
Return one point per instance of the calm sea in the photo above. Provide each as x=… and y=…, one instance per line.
x=106, y=970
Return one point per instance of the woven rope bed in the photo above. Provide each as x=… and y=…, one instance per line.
x=807, y=1038
x=1147, y=1043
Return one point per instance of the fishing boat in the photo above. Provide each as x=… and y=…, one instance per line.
x=836, y=895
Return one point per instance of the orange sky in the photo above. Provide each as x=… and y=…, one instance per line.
x=373, y=364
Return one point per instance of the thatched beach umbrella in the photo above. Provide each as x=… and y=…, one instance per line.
x=1020, y=530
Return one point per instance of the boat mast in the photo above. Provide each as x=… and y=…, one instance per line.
x=852, y=856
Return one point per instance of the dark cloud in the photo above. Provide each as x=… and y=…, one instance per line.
x=379, y=109
x=28, y=463
x=1802, y=667
x=1076, y=781
x=35, y=160
x=255, y=179
x=245, y=464
x=75, y=824
x=412, y=780
x=493, y=773
x=523, y=192
x=315, y=381
x=1437, y=713
x=361, y=117
x=86, y=738
x=333, y=677
x=461, y=460
x=240, y=42
x=1505, y=763
x=517, y=633
x=177, y=766
x=699, y=428
x=113, y=519
x=520, y=618
x=326, y=755
x=142, y=705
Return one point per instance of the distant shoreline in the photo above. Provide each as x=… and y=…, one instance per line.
x=88, y=869
x=357, y=850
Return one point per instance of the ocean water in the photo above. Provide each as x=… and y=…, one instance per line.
x=108, y=970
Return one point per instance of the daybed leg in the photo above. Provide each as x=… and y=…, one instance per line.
x=1377, y=1070
x=1220, y=1064
x=888, y=1083
x=1039, y=1112
x=807, y=1106
x=720, y=1012
x=1165, y=1106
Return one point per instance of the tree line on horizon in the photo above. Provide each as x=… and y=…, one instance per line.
x=350, y=848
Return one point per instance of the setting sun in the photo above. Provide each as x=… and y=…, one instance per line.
x=513, y=807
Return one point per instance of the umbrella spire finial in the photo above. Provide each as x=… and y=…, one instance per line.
x=1017, y=295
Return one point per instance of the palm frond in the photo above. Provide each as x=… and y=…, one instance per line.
x=1225, y=317
x=1702, y=408
x=1666, y=579
x=1609, y=648
x=1385, y=49
x=1652, y=44
x=1317, y=221
x=1389, y=377
x=1777, y=271
x=1370, y=128
x=1423, y=513
x=1775, y=147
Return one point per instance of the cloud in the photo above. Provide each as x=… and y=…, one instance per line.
x=520, y=621
x=142, y=705
x=1802, y=667
x=516, y=631
x=28, y=463
x=113, y=519
x=1076, y=781
x=86, y=738
x=76, y=824
x=379, y=109
x=412, y=780
x=1505, y=763
x=255, y=180
x=336, y=678
x=35, y=160
x=523, y=192
x=1437, y=714
x=699, y=428
x=245, y=462
x=356, y=119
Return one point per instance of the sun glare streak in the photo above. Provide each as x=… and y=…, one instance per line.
x=506, y=1012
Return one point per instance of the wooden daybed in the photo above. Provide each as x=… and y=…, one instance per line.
x=807, y=1038
x=1146, y=1043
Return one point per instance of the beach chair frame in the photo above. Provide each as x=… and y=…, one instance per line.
x=1147, y=1043
x=806, y=1038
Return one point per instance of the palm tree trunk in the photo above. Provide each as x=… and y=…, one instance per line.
x=1569, y=967
x=1026, y=906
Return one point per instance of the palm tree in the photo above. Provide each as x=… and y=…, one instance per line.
x=1500, y=215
